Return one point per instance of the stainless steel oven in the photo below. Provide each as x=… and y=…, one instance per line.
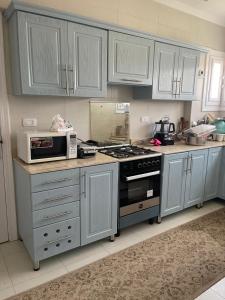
x=139, y=190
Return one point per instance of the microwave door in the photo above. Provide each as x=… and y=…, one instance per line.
x=48, y=147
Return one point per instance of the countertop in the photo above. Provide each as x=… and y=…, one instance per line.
x=59, y=165
x=100, y=158
x=182, y=147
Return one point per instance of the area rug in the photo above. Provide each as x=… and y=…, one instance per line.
x=175, y=265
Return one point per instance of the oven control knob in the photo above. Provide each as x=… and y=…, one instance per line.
x=153, y=162
x=158, y=162
x=149, y=163
x=145, y=164
x=139, y=165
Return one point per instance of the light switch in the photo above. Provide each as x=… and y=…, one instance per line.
x=29, y=122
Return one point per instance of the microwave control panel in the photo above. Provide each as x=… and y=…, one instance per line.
x=71, y=145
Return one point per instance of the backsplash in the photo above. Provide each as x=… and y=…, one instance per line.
x=77, y=111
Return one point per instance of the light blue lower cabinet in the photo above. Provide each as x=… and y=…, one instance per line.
x=195, y=178
x=213, y=173
x=183, y=180
x=173, y=183
x=54, y=217
x=99, y=202
x=221, y=187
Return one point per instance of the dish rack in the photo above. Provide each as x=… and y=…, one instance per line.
x=198, y=135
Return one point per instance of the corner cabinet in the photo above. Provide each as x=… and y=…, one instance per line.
x=99, y=202
x=175, y=72
x=183, y=180
x=55, y=57
x=213, y=173
x=130, y=59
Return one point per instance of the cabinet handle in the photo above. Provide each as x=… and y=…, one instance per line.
x=173, y=82
x=132, y=80
x=60, y=239
x=57, y=180
x=70, y=69
x=65, y=213
x=185, y=164
x=57, y=198
x=84, y=185
x=189, y=167
x=67, y=79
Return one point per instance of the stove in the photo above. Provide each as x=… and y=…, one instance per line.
x=129, y=151
x=139, y=184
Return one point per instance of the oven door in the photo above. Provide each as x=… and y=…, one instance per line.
x=138, y=192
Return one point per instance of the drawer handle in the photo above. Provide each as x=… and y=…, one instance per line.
x=57, y=180
x=58, y=198
x=60, y=239
x=65, y=213
x=131, y=80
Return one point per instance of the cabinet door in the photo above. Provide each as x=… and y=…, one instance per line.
x=99, y=201
x=173, y=183
x=195, y=181
x=187, y=74
x=43, y=54
x=213, y=173
x=130, y=59
x=221, y=187
x=165, y=71
x=87, y=61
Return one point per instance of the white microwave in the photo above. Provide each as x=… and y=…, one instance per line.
x=36, y=147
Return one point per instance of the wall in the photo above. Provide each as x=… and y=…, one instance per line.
x=145, y=15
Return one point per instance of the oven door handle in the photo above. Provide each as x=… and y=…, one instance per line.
x=139, y=176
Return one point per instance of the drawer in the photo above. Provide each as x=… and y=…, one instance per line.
x=54, y=180
x=56, y=238
x=56, y=214
x=55, y=197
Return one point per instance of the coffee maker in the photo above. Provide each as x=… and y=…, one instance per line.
x=165, y=132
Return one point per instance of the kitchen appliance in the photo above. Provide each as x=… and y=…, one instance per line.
x=220, y=125
x=165, y=132
x=86, y=151
x=38, y=146
x=139, y=184
x=198, y=135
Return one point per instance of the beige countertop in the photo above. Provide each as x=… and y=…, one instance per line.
x=100, y=159
x=59, y=165
x=182, y=147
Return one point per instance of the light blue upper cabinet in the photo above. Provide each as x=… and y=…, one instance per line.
x=175, y=72
x=130, y=59
x=38, y=54
x=87, y=60
x=196, y=174
x=213, y=173
x=58, y=58
x=165, y=71
x=187, y=74
x=173, y=183
x=99, y=202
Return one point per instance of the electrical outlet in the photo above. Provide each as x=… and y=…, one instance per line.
x=145, y=119
x=29, y=122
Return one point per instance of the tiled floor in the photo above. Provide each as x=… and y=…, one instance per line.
x=17, y=275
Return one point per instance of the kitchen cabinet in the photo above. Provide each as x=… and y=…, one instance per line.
x=221, y=188
x=55, y=57
x=88, y=59
x=62, y=210
x=213, y=173
x=99, y=197
x=130, y=59
x=173, y=183
x=183, y=180
x=195, y=177
x=175, y=72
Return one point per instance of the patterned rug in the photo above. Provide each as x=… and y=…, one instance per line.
x=175, y=265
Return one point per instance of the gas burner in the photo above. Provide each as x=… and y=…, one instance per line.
x=126, y=151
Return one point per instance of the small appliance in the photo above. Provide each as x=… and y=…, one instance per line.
x=38, y=146
x=165, y=132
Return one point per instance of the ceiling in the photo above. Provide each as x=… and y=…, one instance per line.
x=210, y=10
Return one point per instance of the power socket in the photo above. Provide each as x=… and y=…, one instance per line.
x=28, y=122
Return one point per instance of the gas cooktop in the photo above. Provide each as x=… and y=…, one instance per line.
x=127, y=152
